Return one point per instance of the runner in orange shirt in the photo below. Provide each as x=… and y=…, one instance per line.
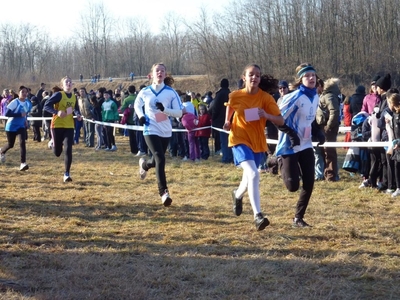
x=252, y=108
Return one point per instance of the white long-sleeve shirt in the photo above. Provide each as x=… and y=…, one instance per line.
x=157, y=122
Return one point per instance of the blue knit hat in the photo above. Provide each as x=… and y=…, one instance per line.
x=283, y=83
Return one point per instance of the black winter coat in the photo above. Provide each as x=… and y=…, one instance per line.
x=36, y=111
x=217, y=107
x=356, y=102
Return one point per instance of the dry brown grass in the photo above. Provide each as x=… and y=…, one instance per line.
x=107, y=236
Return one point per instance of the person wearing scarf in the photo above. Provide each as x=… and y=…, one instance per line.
x=295, y=149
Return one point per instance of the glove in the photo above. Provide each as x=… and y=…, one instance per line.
x=142, y=121
x=160, y=106
x=321, y=139
x=294, y=140
x=293, y=137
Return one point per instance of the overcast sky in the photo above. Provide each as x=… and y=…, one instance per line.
x=54, y=15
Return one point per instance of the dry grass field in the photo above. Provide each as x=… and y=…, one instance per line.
x=106, y=235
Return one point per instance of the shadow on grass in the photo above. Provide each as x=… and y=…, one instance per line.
x=83, y=262
x=164, y=273
x=99, y=211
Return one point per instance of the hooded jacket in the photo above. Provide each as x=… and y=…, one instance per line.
x=329, y=101
x=356, y=100
x=85, y=107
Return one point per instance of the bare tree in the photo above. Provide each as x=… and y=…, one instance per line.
x=135, y=46
x=95, y=35
x=351, y=39
x=175, y=41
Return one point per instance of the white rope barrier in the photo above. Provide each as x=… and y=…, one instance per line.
x=342, y=129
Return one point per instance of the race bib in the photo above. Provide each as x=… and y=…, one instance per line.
x=160, y=117
x=307, y=133
x=251, y=114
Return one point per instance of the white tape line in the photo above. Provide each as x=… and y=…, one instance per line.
x=344, y=144
x=354, y=144
x=269, y=141
x=31, y=118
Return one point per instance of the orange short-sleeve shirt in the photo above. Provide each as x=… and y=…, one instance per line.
x=250, y=133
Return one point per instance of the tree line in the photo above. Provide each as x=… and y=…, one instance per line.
x=350, y=39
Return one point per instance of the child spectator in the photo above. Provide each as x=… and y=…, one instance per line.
x=96, y=114
x=128, y=111
x=189, y=120
x=45, y=114
x=78, y=124
x=195, y=101
x=371, y=133
x=109, y=114
x=393, y=100
x=6, y=98
x=372, y=99
x=347, y=116
x=36, y=112
x=141, y=143
x=204, y=134
x=176, y=145
x=383, y=89
x=100, y=101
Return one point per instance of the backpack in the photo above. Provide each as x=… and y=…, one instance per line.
x=125, y=116
x=356, y=126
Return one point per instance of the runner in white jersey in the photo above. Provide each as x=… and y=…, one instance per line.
x=299, y=110
x=157, y=122
x=160, y=102
x=294, y=147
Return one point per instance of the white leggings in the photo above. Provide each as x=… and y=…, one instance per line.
x=250, y=183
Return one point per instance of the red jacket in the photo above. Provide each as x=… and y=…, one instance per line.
x=346, y=115
x=204, y=121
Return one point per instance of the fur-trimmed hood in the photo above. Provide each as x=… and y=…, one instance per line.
x=329, y=102
x=331, y=86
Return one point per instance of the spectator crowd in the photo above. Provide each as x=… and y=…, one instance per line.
x=221, y=117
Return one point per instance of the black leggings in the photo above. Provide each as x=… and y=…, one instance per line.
x=11, y=136
x=294, y=166
x=158, y=146
x=63, y=137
